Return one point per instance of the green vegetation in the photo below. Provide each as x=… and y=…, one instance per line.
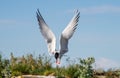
x=42, y=65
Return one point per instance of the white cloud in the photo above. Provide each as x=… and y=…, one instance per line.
x=13, y=22
x=100, y=9
x=7, y=22
x=106, y=63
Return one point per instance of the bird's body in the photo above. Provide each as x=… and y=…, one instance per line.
x=51, y=39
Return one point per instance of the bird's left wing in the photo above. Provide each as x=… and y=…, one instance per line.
x=68, y=33
x=47, y=33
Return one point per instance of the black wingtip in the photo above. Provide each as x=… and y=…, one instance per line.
x=77, y=11
x=38, y=10
x=37, y=14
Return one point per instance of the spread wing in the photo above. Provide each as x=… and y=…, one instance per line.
x=47, y=33
x=68, y=33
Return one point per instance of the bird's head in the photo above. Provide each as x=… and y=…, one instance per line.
x=57, y=57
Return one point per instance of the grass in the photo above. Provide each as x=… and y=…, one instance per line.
x=42, y=65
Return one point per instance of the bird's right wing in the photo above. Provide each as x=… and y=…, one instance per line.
x=68, y=33
x=47, y=33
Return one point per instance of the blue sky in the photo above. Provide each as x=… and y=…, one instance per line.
x=97, y=35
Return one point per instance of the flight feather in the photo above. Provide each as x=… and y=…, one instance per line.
x=68, y=33
x=47, y=33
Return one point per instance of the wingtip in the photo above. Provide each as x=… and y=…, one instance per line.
x=76, y=11
x=37, y=9
x=37, y=15
x=37, y=12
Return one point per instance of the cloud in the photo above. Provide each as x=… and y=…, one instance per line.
x=106, y=63
x=100, y=9
x=7, y=22
x=14, y=22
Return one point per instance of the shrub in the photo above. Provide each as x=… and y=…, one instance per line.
x=4, y=68
x=43, y=66
x=16, y=73
x=60, y=72
x=49, y=72
x=113, y=73
x=71, y=70
x=85, y=69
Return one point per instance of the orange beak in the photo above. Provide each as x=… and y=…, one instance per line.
x=58, y=61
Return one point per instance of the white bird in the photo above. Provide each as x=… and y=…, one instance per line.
x=65, y=36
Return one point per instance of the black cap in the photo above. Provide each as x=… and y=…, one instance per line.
x=56, y=55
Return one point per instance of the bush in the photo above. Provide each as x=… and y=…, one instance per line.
x=4, y=68
x=43, y=66
x=85, y=69
x=49, y=72
x=112, y=73
x=71, y=70
x=16, y=73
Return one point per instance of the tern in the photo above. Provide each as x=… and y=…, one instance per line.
x=65, y=35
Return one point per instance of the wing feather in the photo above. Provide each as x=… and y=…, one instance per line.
x=68, y=33
x=47, y=33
